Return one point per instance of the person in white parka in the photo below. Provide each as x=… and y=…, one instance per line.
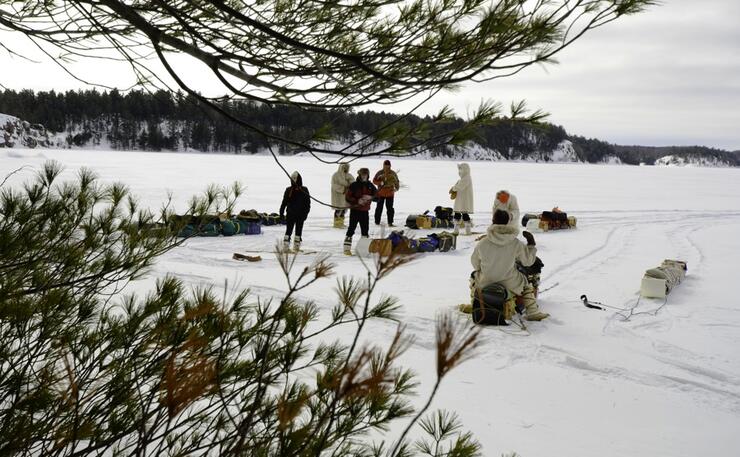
x=506, y=201
x=340, y=182
x=494, y=260
x=462, y=193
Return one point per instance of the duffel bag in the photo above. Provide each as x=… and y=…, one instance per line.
x=444, y=212
x=428, y=244
x=411, y=221
x=229, y=227
x=490, y=305
x=241, y=225
x=252, y=228
x=211, y=229
x=425, y=222
x=187, y=231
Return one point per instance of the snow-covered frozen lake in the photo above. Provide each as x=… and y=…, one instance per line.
x=582, y=383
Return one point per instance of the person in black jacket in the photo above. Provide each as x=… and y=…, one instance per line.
x=297, y=202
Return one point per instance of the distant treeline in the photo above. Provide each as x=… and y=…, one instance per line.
x=172, y=121
x=175, y=121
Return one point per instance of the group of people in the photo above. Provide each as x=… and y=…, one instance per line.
x=495, y=255
x=357, y=194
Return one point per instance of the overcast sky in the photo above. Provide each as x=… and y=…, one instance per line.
x=670, y=76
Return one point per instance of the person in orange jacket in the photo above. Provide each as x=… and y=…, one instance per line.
x=388, y=184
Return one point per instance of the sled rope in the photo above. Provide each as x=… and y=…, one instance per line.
x=548, y=288
x=620, y=311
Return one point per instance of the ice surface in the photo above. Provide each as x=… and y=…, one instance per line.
x=582, y=383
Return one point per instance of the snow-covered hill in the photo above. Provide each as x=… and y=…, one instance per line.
x=113, y=132
x=691, y=161
x=15, y=132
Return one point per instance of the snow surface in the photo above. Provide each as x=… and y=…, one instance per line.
x=582, y=383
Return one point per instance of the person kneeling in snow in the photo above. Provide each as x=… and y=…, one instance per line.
x=359, y=196
x=494, y=259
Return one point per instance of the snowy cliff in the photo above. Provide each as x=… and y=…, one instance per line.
x=691, y=161
x=15, y=132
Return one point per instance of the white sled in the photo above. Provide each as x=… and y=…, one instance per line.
x=658, y=282
x=533, y=226
x=362, y=247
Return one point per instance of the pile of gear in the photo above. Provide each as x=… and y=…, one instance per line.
x=215, y=225
x=264, y=218
x=443, y=218
x=548, y=220
x=442, y=242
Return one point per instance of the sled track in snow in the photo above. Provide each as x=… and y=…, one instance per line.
x=633, y=223
x=719, y=389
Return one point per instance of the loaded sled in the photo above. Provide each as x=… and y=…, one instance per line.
x=659, y=281
x=548, y=220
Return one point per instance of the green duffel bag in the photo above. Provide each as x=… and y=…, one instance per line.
x=229, y=227
x=211, y=229
x=187, y=231
x=241, y=225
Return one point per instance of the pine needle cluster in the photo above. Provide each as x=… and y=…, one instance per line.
x=86, y=370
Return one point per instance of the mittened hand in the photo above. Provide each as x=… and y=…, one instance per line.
x=529, y=237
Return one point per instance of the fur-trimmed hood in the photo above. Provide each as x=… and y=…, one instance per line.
x=501, y=234
x=463, y=169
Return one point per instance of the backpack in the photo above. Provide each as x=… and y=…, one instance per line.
x=446, y=240
x=489, y=305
